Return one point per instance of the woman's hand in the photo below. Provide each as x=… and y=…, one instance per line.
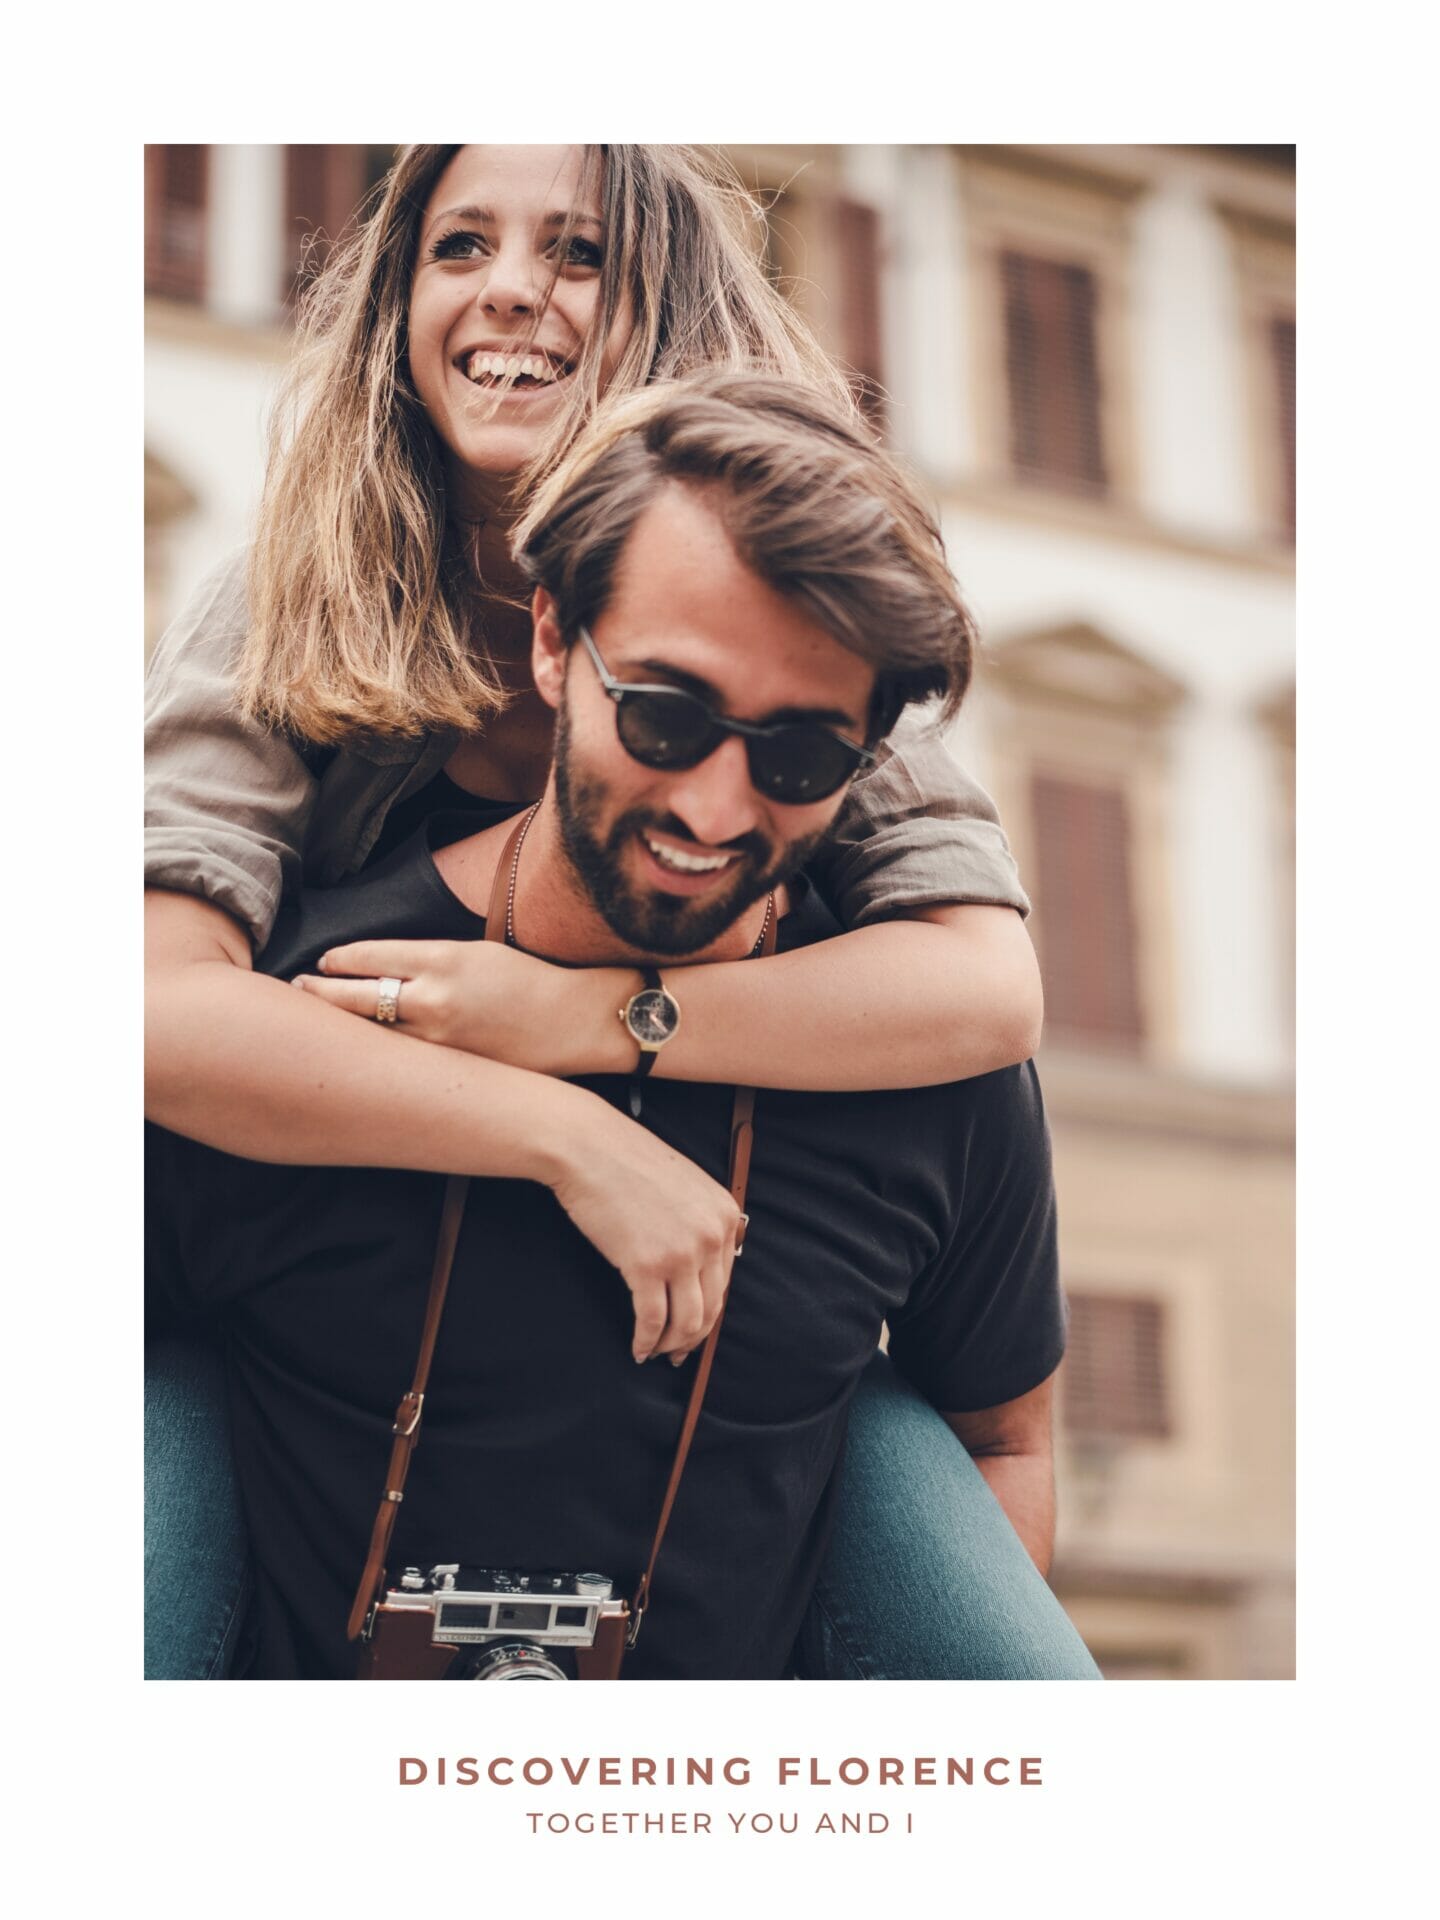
x=663, y=1222
x=485, y=998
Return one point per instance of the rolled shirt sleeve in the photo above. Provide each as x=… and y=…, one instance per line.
x=916, y=831
x=227, y=803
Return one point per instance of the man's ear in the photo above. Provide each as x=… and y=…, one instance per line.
x=547, y=649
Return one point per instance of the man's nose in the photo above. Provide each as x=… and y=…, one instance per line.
x=716, y=800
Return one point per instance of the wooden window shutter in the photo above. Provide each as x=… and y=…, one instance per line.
x=1282, y=356
x=1113, y=1378
x=861, y=345
x=323, y=190
x=1053, y=372
x=176, y=193
x=1086, y=913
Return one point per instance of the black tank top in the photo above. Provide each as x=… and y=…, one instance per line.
x=438, y=795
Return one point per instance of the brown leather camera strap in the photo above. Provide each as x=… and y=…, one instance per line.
x=742, y=1135
x=408, y=1413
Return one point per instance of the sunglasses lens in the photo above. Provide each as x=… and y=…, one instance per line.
x=800, y=765
x=665, y=729
x=794, y=765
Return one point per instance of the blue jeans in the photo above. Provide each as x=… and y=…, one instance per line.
x=925, y=1579
x=197, y=1578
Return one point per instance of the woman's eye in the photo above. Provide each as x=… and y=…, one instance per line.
x=457, y=245
x=583, y=253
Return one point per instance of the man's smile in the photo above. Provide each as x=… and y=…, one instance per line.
x=686, y=869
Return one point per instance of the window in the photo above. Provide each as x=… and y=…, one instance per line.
x=1053, y=372
x=1277, y=718
x=1113, y=1377
x=176, y=192
x=1079, y=727
x=1085, y=911
x=1050, y=243
x=823, y=250
x=782, y=252
x=324, y=187
x=859, y=258
x=1282, y=359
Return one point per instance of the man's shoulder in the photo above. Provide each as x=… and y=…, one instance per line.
x=401, y=897
x=807, y=920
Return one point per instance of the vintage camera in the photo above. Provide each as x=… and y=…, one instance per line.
x=451, y=1622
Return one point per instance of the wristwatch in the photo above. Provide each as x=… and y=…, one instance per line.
x=650, y=1017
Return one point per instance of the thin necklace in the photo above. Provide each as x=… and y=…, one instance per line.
x=510, y=939
x=754, y=953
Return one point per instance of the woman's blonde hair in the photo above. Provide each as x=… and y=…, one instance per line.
x=364, y=610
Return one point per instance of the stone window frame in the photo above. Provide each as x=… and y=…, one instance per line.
x=1262, y=254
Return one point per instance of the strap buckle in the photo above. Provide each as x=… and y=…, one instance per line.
x=416, y=1403
x=637, y=1611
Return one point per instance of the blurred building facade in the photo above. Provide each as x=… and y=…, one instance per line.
x=1088, y=353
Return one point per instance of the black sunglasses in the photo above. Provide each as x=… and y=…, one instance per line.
x=794, y=762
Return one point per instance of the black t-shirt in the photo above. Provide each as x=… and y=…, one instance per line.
x=544, y=1444
x=440, y=794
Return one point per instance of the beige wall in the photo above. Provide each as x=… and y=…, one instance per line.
x=1184, y=1543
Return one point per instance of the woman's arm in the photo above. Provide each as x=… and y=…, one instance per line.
x=227, y=804
x=917, y=1002
x=949, y=993
x=246, y=1064
x=937, y=981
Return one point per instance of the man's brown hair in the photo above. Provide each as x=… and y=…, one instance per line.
x=810, y=500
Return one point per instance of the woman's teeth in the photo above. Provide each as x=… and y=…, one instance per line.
x=688, y=862
x=513, y=366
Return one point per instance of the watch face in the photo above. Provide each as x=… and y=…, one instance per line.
x=653, y=1016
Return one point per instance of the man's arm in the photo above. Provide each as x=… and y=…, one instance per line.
x=1012, y=1446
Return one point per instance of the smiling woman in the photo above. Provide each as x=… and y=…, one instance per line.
x=503, y=306
x=370, y=665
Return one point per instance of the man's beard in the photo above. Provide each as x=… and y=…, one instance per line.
x=652, y=921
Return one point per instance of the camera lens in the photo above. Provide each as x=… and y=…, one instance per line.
x=514, y=1660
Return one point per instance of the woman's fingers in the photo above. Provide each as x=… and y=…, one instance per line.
x=400, y=959
x=661, y=1221
x=354, y=996
x=652, y=1305
x=714, y=1280
x=687, y=1319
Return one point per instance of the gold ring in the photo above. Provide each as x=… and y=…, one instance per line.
x=387, y=1007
